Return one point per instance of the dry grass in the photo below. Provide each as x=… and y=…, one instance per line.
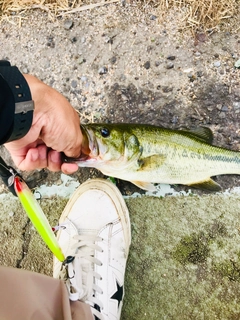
x=198, y=14
x=206, y=14
x=54, y=6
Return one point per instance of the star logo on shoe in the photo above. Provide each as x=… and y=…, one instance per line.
x=118, y=294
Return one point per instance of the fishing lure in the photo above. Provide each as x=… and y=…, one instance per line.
x=36, y=215
x=19, y=188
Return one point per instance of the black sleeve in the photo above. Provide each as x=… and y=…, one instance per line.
x=7, y=109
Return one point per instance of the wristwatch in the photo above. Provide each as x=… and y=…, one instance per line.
x=24, y=104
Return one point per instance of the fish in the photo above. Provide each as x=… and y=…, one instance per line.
x=146, y=155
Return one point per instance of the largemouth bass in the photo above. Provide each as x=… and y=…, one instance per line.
x=146, y=154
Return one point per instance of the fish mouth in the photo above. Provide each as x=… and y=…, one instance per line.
x=90, y=148
x=89, y=144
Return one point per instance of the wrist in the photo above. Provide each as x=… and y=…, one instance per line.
x=40, y=96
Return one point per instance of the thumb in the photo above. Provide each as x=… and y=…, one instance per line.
x=77, y=146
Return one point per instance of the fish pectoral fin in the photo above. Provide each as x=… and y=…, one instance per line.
x=209, y=185
x=144, y=185
x=151, y=163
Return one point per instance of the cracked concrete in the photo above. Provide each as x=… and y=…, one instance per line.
x=25, y=243
x=185, y=253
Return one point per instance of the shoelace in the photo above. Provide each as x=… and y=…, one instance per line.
x=79, y=275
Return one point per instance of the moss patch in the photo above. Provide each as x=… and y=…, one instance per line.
x=192, y=249
x=229, y=268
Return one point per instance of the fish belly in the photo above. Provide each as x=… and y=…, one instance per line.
x=179, y=167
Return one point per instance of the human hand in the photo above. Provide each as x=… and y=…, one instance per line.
x=55, y=129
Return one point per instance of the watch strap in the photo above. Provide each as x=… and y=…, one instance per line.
x=24, y=105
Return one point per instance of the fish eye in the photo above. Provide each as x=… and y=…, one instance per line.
x=105, y=132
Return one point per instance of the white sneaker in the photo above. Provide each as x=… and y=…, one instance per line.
x=95, y=236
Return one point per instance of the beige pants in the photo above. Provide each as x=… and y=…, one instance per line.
x=28, y=295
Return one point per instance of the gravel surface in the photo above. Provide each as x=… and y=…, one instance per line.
x=117, y=63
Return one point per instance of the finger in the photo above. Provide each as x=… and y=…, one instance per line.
x=43, y=156
x=30, y=162
x=54, y=161
x=69, y=168
x=73, y=153
x=73, y=150
x=36, y=158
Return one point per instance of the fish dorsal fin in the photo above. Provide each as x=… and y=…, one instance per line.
x=201, y=133
x=144, y=185
x=208, y=184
